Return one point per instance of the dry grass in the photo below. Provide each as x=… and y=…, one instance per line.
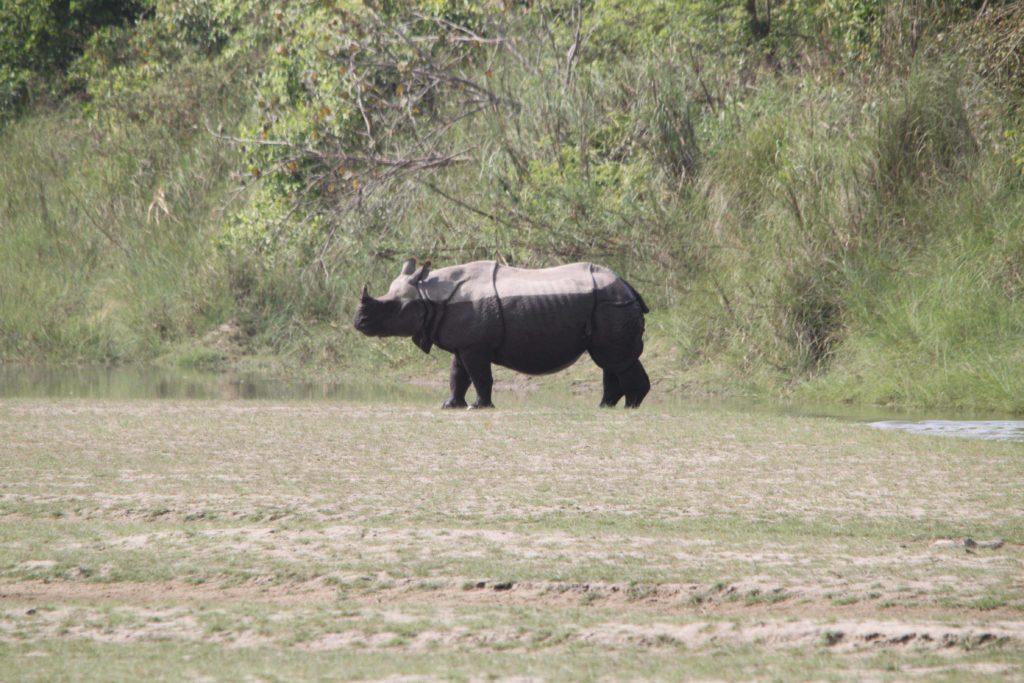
x=226, y=539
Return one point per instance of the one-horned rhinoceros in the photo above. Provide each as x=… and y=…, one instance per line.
x=532, y=321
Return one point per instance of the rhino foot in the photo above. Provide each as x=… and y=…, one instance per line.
x=453, y=403
x=478, y=405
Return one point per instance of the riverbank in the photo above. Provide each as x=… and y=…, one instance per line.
x=829, y=211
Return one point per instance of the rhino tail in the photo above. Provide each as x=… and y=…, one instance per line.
x=639, y=299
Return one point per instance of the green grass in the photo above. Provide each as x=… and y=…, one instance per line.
x=87, y=661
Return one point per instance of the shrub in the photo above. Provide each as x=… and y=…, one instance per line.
x=40, y=38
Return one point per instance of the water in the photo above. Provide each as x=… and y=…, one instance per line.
x=990, y=430
x=146, y=383
x=134, y=383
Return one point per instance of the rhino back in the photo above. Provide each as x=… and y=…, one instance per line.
x=466, y=282
x=536, y=320
x=547, y=315
x=572, y=289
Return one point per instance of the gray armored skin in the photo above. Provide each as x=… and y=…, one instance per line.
x=532, y=321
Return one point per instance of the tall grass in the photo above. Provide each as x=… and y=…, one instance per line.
x=942, y=326
x=105, y=230
x=861, y=248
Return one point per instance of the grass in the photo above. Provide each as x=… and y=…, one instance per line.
x=93, y=275
x=84, y=661
x=290, y=539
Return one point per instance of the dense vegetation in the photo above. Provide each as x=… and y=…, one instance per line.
x=816, y=196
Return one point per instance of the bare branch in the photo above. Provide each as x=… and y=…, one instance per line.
x=467, y=207
x=574, y=50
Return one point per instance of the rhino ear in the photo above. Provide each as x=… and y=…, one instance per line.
x=408, y=267
x=421, y=272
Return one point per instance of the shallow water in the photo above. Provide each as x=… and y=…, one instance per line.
x=138, y=383
x=990, y=430
x=133, y=382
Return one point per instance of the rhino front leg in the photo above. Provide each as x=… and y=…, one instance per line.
x=477, y=361
x=612, y=389
x=458, y=384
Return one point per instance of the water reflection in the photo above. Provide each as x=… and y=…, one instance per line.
x=148, y=383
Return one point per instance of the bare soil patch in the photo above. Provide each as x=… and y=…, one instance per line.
x=663, y=618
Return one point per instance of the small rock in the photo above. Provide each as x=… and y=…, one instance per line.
x=77, y=573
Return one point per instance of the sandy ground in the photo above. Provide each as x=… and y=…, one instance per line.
x=560, y=532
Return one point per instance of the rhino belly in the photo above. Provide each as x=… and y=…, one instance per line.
x=544, y=334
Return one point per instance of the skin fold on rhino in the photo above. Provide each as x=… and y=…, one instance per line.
x=532, y=321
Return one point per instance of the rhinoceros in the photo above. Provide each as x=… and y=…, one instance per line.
x=532, y=321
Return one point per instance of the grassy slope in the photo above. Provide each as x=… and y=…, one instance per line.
x=847, y=237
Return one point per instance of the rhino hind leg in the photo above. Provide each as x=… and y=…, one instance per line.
x=477, y=362
x=635, y=384
x=458, y=384
x=612, y=389
x=616, y=343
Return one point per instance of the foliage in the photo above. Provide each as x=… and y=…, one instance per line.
x=994, y=41
x=352, y=101
x=40, y=38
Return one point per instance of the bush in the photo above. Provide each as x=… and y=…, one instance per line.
x=923, y=134
x=40, y=38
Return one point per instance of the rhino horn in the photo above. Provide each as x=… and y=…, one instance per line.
x=408, y=267
x=365, y=294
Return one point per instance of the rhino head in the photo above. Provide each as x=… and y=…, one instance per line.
x=402, y=312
